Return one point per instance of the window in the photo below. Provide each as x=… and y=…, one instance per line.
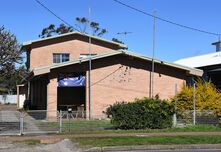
x=60, y=57
x=86, y=55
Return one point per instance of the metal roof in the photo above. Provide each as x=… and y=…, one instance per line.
x=201, y=60
x=123, y=46
x=46, y=69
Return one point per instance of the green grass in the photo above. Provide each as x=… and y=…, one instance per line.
x=101, y=127
x=30, y=142
x=85, y=125
x=104, y=126
x=158, y=140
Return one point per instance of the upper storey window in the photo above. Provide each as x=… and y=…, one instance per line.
x=60, y=57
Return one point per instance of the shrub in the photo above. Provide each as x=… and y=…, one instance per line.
x=141, y=114
x=208, y=97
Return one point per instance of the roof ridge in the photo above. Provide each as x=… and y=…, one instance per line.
x=74, y=32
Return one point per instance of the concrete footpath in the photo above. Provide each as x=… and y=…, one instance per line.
x=198, y=147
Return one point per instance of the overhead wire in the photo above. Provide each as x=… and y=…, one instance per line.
x=54, y=14
x=165, y=20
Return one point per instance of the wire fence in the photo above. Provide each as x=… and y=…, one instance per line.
x=49, y=121
x=52, y=121
x=10, y=122
x=187, y=117
x=40, y=121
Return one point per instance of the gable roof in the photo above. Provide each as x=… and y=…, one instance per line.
x=28, y=43
x=201, y=60
x=47, y=69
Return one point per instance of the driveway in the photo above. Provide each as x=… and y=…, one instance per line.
x=9, y=122
x=62, y=146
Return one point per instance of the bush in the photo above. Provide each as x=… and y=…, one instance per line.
x=208, y=97
x=141, y=114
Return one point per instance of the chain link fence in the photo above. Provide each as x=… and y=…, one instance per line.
x=40, y=121
x=45, y=121
x=188, y=117
x=10, y=122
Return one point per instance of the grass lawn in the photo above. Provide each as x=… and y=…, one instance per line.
x=85, y=125
x=160, y=140
x=104, y=126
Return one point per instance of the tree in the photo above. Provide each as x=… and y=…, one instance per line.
x=52, y=30
x=82, y=26
x=10, y=59
x=10, y=52
x=208, y=97
x=8, y=83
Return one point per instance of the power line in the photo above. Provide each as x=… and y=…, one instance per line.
x=168, y=21
x=49, y=10
x=107, y=76
x=125, y=33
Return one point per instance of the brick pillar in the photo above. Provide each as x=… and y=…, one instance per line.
x=52, y=97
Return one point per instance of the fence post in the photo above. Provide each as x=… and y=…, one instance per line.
x=194, y=104
x=60, y=121
x=21, y=123
x=174, y=115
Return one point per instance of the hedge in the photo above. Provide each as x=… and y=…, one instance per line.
x=141, y=114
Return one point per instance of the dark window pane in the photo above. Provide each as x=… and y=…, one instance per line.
x=65, y=57
x=60, y=57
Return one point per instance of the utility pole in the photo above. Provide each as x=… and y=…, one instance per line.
x=153, y=56
x=89, y=72
x=175, y=103
x=194, y=103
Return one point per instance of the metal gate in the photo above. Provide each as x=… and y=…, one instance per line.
x=10, y=122
x=29, y=122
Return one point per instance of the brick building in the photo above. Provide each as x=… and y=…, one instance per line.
x=116, y=75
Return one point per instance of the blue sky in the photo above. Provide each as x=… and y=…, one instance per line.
x=25, y=18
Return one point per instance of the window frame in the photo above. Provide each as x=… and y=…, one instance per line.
x=61, y=57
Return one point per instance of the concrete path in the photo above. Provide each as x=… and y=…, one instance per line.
x=9, y=122
x=9, y=116
x=62, y=146
x=30, y=125
x=160, y=148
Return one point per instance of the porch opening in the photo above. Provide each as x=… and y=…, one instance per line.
x=71, y=92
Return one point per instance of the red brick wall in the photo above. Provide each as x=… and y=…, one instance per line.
x=42, y=54
x=123, y=78
x=130, y=79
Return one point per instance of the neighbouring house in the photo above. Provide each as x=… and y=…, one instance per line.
x=209, y=63
x=59, y=68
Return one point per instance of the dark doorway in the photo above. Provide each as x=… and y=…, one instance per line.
x=71, y=92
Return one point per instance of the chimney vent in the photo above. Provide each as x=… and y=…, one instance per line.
x=218, y=46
